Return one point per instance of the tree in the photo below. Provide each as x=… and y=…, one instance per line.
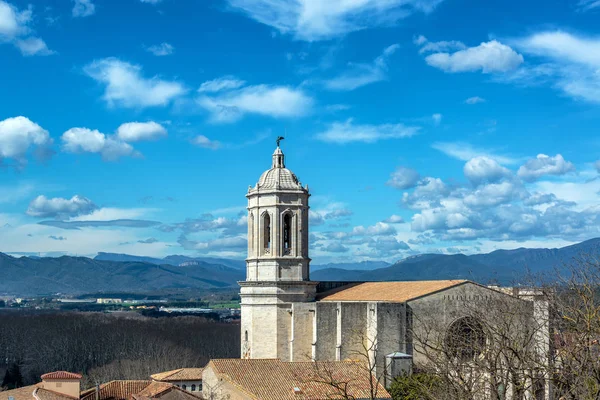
x=13, y=378
x=418, y=386
x=576, y=310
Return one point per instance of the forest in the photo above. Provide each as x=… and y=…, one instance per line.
x=107, y=346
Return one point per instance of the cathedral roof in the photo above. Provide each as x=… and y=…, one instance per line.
x=273, y=379
x=278, y=176
x=390, y=292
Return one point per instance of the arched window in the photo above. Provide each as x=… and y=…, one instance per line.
x=465, y=339
x=287, y=234
x=193, y=388
x=246, y=336
x=267, y=233
x=184, y=387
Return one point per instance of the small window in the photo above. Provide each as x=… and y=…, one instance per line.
x=58, y=384
x=246, y=336
x=287, y=234
x=267, y=232
x=193, y=388
x=184, y=387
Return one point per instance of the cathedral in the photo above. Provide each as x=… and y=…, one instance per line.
x=286, y=316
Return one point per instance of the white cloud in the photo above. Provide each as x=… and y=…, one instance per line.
x=33, y=46
x=379, y=229
x=394, y=219
x=465, y=152
x=437, y=47
x=15, y=29
x=138, y=131
x=484, y=169
x=267, y=100
x=403, y=178
x=572, y=63
x=57, y=207
x=151, y=1
x=437, y=118
x=125, y=85
x=347, y=132
x=13, y=22
x=545, y=165
x=159, y=50
x=586, y=5
x=313, y=20
x=18, y=135
x=84, y=140
x=205, y=142
x=111, y=214
x=597, y=165
x=83, y=8
x=475, y=100
x=361, y=74
x=564, y=46
x=221, y=84
x=488, y=57
x=492, y=194
x=419, y=40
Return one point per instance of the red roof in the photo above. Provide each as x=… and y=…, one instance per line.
x=61, y=375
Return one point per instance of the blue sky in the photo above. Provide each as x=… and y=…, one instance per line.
x=420, y=125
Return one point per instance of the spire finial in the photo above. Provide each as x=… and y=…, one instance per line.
x=279, y=139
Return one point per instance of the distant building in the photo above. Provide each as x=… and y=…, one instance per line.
x=241, y=379
x=189, y=379
x=59, y=385
x=109, y=301
x=62, y=385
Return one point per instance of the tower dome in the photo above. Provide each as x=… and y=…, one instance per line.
x=278, y=177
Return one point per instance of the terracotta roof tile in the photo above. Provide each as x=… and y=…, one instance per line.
x=390, y=292
x=155, y=389
x=116, y=390
x=22, y=393
x=295, y=380
x=174, y=393
x=181, y=374
x=45, y=394
x=61, y=375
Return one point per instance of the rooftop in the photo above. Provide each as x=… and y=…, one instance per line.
x=181, y=374
x=116, y=390
x=22, y=393
x=295, y=380
x=32, y=392
x=60, y=375
x=389, y=292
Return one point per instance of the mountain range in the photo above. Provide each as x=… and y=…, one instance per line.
x=110, y=272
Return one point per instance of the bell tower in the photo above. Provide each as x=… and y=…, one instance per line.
x=277, y=267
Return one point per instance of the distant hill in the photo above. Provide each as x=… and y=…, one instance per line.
x=500, y=266
x=74, y=275
x=172, y=260
x=109, y=272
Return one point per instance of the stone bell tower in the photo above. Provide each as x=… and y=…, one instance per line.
x=277, y=267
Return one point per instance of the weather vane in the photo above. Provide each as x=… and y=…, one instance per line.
x=279, y=139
